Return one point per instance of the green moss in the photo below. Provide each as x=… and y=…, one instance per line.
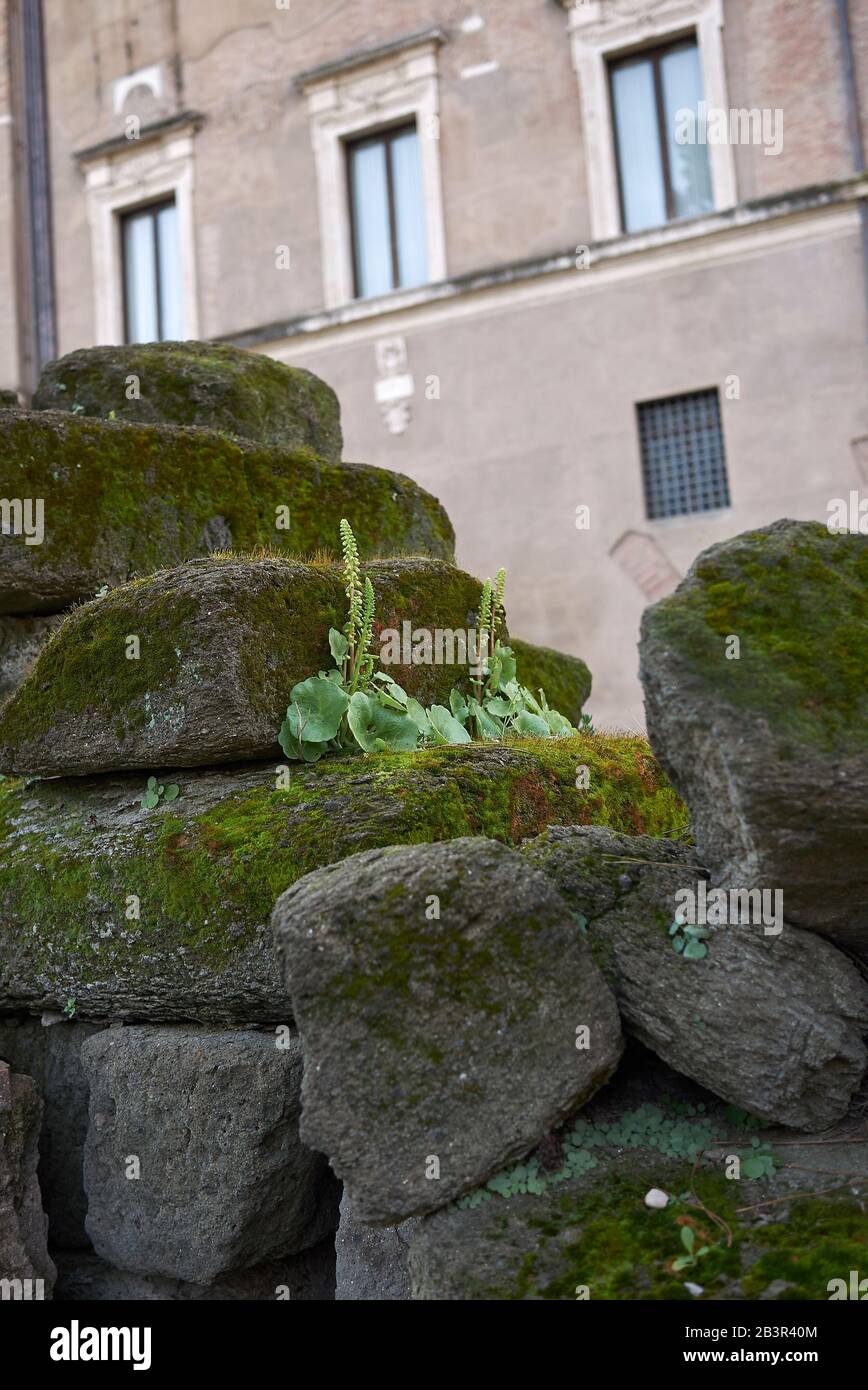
x=566, y=680
x=93, y=669
x=191, y=383
x=603, y=1237
x=405, y=960
x=279, y=612
x=820, y=1240
x=611, y=1242
x=208, y=881
x=128, y=499
x=797, y=598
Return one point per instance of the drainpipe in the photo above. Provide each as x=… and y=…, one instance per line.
x=854, y=125
x=37, y=250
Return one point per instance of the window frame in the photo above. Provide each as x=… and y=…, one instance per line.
x=385, y=135
x=152, y=208
x=119, y=180
x=598, y=35
x=655, y=56
x=355, y=99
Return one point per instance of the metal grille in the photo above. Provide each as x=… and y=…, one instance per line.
x=683, y=461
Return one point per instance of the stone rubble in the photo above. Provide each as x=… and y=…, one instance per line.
x=459, y=935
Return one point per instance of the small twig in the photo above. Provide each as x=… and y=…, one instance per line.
x=810, y=1142
x=718, y=1220
x=786, y=1143
x=791, y=1196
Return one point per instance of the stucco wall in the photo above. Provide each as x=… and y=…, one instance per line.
x=536, y=416
x=511, y=144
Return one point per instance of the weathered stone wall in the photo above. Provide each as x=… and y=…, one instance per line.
x=422, y=993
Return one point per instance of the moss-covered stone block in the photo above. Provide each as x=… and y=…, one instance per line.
x=222, y=388
x=195, y=665
x=165, y=914
x=419, y=1025
x=565, y=679
x=756, y=691
x=119, y=500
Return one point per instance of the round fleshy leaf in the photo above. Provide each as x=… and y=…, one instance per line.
x=316, y=708
x=531, y=725
x=445, y=726
x=374, y=727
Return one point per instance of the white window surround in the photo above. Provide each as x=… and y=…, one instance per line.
x=599, y=32
x=118, y=180
x=346, y=103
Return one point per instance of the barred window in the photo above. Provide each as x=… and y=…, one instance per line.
x=683, y=459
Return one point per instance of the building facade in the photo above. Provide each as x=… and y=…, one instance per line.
x=593, y=273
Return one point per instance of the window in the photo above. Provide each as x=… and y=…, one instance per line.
x=683, y=461
x=400, y=82
x=151, y=274
x=388, y=212
x=660, y=179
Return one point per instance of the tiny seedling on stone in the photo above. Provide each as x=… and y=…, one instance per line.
x=155, y=792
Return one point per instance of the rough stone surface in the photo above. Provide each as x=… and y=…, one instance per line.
x=770, y=751
x=450, y=1037
x=566, y=680
x=191, y=383
x=23, y=1225
x=122, y=500
x=21, y=640
x=773, y=1023
x=221, y=645
x=371, y=1264
x=212, y=1117
x=308, y=1277
x=208, y=867
x=51, y=1054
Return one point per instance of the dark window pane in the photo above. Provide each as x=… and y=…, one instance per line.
x=683, y=460
x=637, y=134
x=409, y=209
x=371, y=228
x=660, y=178
x=681, y=81
x=140, y=278
x=171, y=319
x=388, y=212
x=152, y=274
